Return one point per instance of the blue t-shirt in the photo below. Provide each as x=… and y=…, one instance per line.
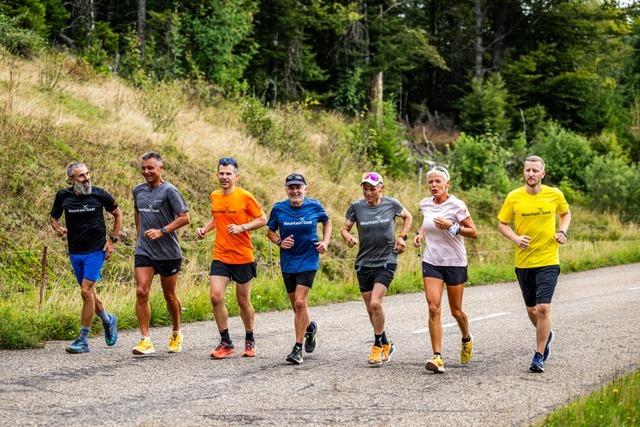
x=302, y=223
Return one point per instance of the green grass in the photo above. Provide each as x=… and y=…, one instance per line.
x=617, y=404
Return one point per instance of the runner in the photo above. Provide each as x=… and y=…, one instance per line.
x=446, y=221
x=533, y=209
x=296, y=221
x=234, y=212
x=160, y=210
x=378, y=251
x=83, y=205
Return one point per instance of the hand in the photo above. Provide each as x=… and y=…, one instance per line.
x=200, y=233
x=400, y=245
x=153, y=234
x=442, y=223
x=287, y=242
x=523, y=241
x=417, y=240
x=61, y=231
x=236, y=228
x=322, y=246
x=108, y=249
x=561, y=238
x=351, y=241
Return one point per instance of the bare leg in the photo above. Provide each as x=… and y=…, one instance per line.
x=174, y=307
x=87, y=291
x=433, y=292
x=454, y=293
x=220, y=313
x=373, y=301
x=301, y=310
x=144, y=278
x=243, y=295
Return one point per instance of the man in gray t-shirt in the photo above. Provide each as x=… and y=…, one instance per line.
x=160, y=210
x=377, y=254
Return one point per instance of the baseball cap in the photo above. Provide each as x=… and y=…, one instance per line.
x=295, y=179
x=373, y=178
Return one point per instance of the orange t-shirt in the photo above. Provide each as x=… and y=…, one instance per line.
x=239, y=207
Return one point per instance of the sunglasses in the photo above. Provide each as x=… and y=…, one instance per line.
x=373, y=176
x=226, y=161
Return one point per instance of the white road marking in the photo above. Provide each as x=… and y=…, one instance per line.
x=634, y=289
x=449, y=325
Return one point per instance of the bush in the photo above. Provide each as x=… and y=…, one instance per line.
x=484, y=109
x=479, y=161
x=613, y=185
x=19, y=41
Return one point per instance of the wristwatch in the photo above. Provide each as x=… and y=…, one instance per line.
x=114, y=239
x=403, y=237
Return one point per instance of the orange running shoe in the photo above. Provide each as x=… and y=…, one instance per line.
x=223, y=350
x=249, y=349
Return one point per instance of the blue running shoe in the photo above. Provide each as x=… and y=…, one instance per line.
x=547, y=347
x=80, y=345
x=111, y=330
x=537, y=363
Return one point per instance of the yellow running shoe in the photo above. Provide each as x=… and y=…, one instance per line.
x=387, y=351
x=435, y=364
x=175, y=342
x=144, y=346
x=375, y=357
x=466, y=352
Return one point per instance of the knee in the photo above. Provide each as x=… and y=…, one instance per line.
x=86, y=293
x=457, y=313
x=299, y=305
x=217, y=298
x=434, y=309
x=542, y=310
x=244, y=302
x=375, y=307
x=142, y=294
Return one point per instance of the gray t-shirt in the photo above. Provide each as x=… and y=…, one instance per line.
x=158, y=207
x=376, y=231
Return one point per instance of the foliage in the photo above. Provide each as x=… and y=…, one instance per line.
x=479, y=161
x=613, y=185
x=484, y=109
x=19, y=41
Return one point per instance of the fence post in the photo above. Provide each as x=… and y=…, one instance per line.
x=43, y=276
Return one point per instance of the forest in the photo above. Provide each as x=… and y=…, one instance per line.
x=474, y=84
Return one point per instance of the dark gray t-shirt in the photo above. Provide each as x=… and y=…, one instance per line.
x=158, y=207
x=376, y=231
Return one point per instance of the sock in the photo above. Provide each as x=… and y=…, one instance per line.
x=224, y=336
x=248, y=336
x=378, y=340
x=385, y=341
x=467, y=339
x=84, y=333
x=437, y=353
x=298, y=346
x=104, y=316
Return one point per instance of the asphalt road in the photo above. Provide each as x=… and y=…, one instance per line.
x=595, y=315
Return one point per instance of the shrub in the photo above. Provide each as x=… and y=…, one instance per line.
x=159, y=103
x=613, y=185
x=479, y=161
x=484, y=109
x=19, y=41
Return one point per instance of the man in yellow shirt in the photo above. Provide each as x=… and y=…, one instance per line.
x=533, y=209
x=234, y=213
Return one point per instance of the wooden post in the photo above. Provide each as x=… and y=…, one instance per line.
x=43, y=276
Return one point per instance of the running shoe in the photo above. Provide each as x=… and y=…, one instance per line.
x=387, y=351
x=547, y=347
x=435, y=364
x=537, y=363
x=175, y=342
x=80, y=345
x=466, y=352
x=375, y=357
x=295, y=356
x=144, y=346
x=111, y=330
x=310, y=338
x=223, y=350
x=249, y=349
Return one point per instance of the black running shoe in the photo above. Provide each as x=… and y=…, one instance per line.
x=295, y=356
x=310, y=338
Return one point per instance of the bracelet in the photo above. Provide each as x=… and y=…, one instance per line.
x=278, y=242
x=243, y=227
x=564, y=233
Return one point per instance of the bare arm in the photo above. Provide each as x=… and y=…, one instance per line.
x=322, y=245
x=254, y=224
x=180, y=220
x=468, y=228
x=565, y=221
x=202, y=231
x=522, y=241
x=110, y=246
x=346, y=233
x=407, y=219
x=59, y=229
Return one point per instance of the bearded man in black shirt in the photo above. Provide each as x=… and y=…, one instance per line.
x=82, y=206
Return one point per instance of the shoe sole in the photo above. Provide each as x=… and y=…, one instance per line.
x=429, y=366
x=223, y=356
x=536, y=370
x=176, y=350
x=245, y=354
x=552, y=335
x=293, y=361
x=142, y=353
x=70, y=351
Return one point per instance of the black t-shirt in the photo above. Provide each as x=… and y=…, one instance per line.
x=84, y=218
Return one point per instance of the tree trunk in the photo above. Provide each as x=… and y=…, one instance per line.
x=434, y=41
x=142, y=12
x=377, y=97
x=479, y=50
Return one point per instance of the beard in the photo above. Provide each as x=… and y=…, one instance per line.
x=82, y=188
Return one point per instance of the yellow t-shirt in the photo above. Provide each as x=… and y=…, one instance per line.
x=239, y=207
x=534, y=215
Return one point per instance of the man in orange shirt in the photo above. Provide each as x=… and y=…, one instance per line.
x=234, y=212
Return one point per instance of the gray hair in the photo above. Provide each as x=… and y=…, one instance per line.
x=152, y=155
x=73, y=166
x=535, y=159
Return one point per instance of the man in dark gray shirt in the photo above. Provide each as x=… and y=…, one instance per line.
x=160, y=210
x=377, y=254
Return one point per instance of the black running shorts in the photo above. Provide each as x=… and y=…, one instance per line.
x=239, y=273
x=369, y=276
x=449, y=275
x=304, y=278
x=164, y=267
x=538, y=284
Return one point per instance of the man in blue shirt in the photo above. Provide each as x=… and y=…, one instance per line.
x=293, y=227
